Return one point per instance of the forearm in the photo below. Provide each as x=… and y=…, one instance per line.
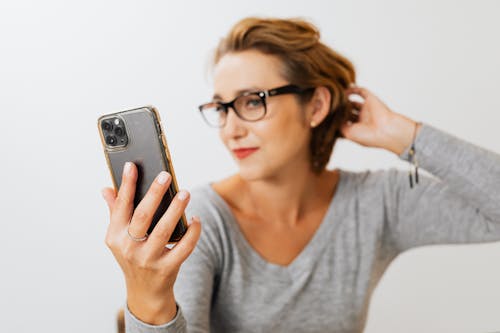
x=470, y=171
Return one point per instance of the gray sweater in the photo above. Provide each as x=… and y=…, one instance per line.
x=226, y=286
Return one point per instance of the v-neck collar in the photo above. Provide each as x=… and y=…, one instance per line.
x=308, y=255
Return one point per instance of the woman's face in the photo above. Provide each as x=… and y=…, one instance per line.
x=282, y=137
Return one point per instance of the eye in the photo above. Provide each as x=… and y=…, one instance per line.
x=253, y=102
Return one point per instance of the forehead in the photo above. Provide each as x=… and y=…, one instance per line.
x=246, y=70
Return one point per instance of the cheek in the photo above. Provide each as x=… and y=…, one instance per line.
x=285, y=129
x=221, y=136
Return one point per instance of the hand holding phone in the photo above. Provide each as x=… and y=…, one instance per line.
x=146, y=212
x=150, y=269
x=136, y=135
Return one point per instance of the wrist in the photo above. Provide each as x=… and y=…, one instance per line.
x=156, y=312
x=399, y=133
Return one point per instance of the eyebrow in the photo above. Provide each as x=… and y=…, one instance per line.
x=238, y=92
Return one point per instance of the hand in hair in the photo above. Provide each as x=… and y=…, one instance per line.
x=376, y=125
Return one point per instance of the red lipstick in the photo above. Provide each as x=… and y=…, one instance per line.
x=244, y=152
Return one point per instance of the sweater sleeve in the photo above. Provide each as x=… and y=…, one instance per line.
x=132, y=324
x=195, y=281
x=458, y=203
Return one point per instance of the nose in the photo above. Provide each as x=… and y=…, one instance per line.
x=234, y=127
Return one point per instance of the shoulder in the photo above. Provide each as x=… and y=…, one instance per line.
x=212, y=210
x=388, y=184
x=202, y=200
x=205, y=204
x=376, y=181
x=366, y=178
x=215, y=236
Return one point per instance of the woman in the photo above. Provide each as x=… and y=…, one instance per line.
x=287, y=245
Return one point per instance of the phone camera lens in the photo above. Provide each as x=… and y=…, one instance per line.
x=119, y=131
x=111, y=140
x=107, y=125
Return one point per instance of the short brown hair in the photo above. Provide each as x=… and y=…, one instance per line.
x=307, y=62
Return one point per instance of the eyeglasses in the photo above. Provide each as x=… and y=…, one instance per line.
x=249, y=106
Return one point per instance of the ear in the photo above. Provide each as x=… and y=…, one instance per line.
x=319, y=106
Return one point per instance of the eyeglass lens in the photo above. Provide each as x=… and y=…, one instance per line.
x=248, y=107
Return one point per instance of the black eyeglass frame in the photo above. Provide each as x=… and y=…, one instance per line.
x=287, y=89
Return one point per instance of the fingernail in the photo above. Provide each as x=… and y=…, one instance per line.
x=162, y=177
x=126, y=168
x=182, y=195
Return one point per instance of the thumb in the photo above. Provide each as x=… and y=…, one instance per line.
x=109, y=196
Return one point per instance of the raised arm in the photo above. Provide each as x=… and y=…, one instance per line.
x=460, y=205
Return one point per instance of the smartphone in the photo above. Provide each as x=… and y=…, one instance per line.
x=136, y=135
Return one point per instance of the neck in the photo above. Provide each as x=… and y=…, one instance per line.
x=289, y=197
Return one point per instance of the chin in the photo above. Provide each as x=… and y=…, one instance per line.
x=256, y=171
x=250, y=173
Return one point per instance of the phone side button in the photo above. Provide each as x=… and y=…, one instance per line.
x=165, y=146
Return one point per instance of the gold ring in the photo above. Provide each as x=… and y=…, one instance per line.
x=136, y=239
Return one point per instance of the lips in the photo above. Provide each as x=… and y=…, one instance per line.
x=244, y=152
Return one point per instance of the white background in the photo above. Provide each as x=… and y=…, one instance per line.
x=62, y=64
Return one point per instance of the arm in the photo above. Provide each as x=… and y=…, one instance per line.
x=149, y=268
x=194, y=284
x=460, y=205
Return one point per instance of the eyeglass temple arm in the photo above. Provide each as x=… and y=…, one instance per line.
x=285, y=90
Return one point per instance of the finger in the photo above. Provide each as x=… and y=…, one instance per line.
x=109, y=196
x=357, y=106
x=145, y=210
x=179, y=253
x=346, y=130
x=363, y=92
x=124, y=203
x=357, y=132
x=166, y=225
